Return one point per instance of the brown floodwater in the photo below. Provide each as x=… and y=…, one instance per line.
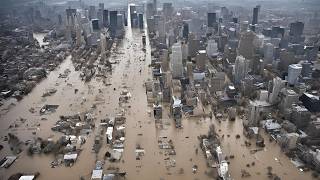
x=140, y=127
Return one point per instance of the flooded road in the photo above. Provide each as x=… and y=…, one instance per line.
x=141, y=128
x=270, y=155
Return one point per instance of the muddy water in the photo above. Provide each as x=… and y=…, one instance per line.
x=271, y=155
x=126, y=73
x=152, y=165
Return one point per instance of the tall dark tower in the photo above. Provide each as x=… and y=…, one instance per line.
x=113, y=22
x=185, y=31
x=212, y=18
x=255, y=15
x=105, y=18
x=140, y=21
x=155, y=6
x=296, y=28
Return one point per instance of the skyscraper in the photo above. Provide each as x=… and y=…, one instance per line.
x=255, y=15
x=71, y=16
x=95, y=24
x=176, y=61
x=246, y=46
x=120, y=21
x=100, y=17
x=167, y=10
x=240, y=69
x=113, y=21
x=185, y=31
x=268, y=53
x=224, y=12
x=244, y=26
x=277, y=85
x=296, y=29
x=212, y=48
x=92, y=12
x=201, y=60
x=105, y=18
x=150, y=10
x=140, y=21
x=101, y=6
x=155, y=6
x=212, y=18
x=306, y=69
x=294, y=72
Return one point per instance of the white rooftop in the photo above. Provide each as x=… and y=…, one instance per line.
x=97, y=174
x=30, y=177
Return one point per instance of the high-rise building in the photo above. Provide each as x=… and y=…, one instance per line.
x=256, y=110
x=195, y=26
x=240, y=69
x=288, y=98
x=95, y=24
x=113, y=21
x=257, y=65
x=149, y=10
x=311, y=102
x=300, y=116
x=306, y=69
x=277, y=31
x=134, y=19
x=103, y=45
x=71, y=17
x=235, y=20
x=164, y=58
x=100, y=17
x=101, y=6
x=193, y=46
x=244, y=26
x=185, y=30
x=277, y=85
x=201, y=60
x=255, y=15
x=246, y=46
x=155, y=6
x=176, y=61
x=167, y=10
x=151, y=24
x=141, y=21
x=161, y=29
x=105, y=18
x=189, y=65
x=184, y=49
x=120, y=21
x=212, y=48
x=212, y=18
x=286, y=58
x=92, y=12
x=268, y=53
x=296, y=29
x=133, y=8
x=78, y=36
x=294, y=72
x=224, y=12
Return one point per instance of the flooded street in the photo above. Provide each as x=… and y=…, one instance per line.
x=270, y=155
x=140, y=127
x=130, y=73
